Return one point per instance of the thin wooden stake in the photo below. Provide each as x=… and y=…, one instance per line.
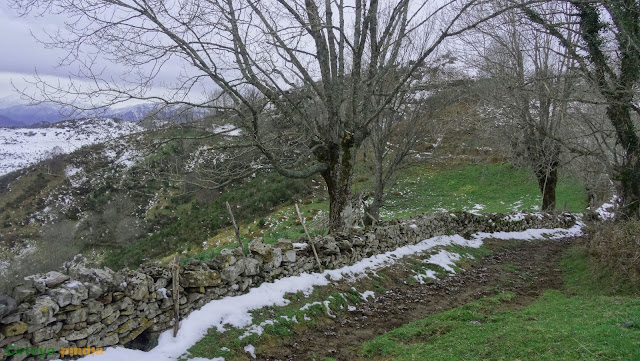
x=308, y=237
x=176, y=294
x=235, y=227
x=372, y=218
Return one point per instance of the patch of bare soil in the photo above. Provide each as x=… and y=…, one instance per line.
x=525, y=268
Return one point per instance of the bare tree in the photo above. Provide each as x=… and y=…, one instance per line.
x=408, y=121
x=606, y=50
x=528, y=85
x=311, y=69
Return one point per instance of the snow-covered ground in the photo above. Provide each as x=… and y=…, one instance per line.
x=22, y=147
x=235, y=311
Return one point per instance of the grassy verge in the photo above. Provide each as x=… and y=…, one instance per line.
x=555, y=327
x=596, y=317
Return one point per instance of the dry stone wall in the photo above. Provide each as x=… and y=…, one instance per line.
x=79, y=307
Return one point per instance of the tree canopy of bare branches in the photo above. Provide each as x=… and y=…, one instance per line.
x=305, y=79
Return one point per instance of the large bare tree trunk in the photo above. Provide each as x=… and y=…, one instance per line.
x=547, y=182
x=629, y=173
x=338, y=176
x=373, y=209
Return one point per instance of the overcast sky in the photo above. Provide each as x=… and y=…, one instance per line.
x=23, y=55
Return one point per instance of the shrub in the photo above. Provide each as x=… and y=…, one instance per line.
x=614, y=251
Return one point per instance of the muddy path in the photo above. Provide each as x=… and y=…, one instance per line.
x=525, y=268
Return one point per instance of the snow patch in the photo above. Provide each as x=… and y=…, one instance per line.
x=422, y=277
x=23, y=147
x=606, y=211
x=251, y=350
x=163, y=292
x=477, y=208
x=366, y=294
x=444, y=259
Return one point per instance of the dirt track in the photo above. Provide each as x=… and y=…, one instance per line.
x=526, y=268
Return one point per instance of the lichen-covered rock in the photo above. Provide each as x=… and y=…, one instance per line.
x=14, y=329
x=102, y=277
x=200, y=278
x=285, y=244
x=111, y=318
x=143, y=325
x=263, y=250
x=126, y=306
x=275, y=262
x=54, y=279
x=137, y=285
x=227, y=258
x=289, y=256
x=79, y=315
x=160, y=283
x=94, y=306
x=84, y=332
x=155, y=270
x=328, y=246
x=7, y=305
x=46, y=333
x=152, y=310
x=42, y=312
x=231, y=273
x=251, y=266
x=344, y=245
x=94, y=290
x=103, y=341
x=22, y=293
x=61, y=295
x=78, y=290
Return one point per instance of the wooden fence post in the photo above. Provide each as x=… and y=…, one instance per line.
x=308, y=237
x=235, y=227
x=176, y=294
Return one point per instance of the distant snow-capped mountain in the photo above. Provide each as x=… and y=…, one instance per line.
x=15, y=113
x=170, y=113
x=24, y=115
x=22, y=147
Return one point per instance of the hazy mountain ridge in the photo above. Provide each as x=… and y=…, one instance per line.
x=13, y=113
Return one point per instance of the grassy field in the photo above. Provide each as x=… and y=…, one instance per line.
x=478, y=187
x=421, y=189
x=582, y=322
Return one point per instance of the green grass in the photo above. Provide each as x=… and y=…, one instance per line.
x=584, y=277
x=497, y=187
x=588, y=320
x=555, y=327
